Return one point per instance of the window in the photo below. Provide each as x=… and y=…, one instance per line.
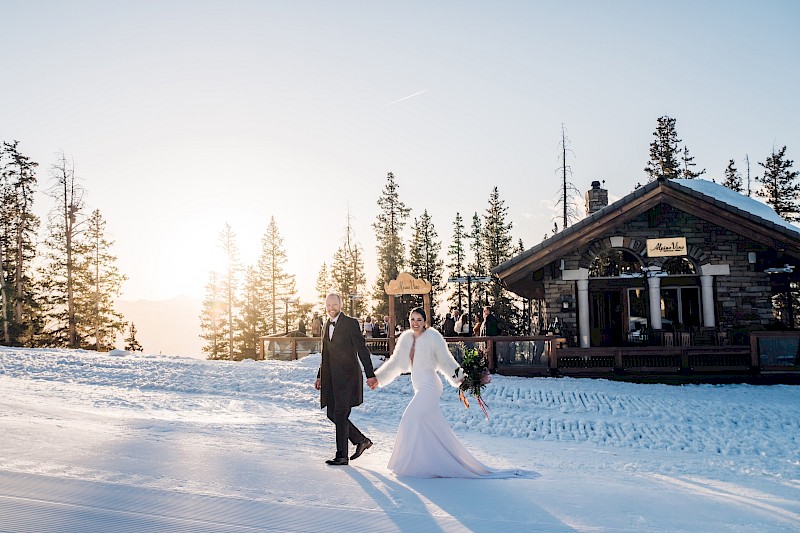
x=675, y=266
x=615, y=263
x=680, y=305
x=637, y=309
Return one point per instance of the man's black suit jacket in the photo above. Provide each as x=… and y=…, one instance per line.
x=340, y=374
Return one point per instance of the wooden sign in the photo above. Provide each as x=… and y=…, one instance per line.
x=673, y=246
x=407, y=284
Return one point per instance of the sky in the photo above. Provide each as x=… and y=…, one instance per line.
x=181, y=117
x=135, y=443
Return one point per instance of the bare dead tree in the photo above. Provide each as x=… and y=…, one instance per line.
x=567, y=190
x=747, y=164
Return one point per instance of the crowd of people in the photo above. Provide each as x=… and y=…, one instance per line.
x=370, y=328
x=456, y=324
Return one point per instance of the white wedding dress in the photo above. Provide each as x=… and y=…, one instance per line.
x=425, y=445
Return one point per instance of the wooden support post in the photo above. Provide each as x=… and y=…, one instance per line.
x=390, y=325
x=405, y=284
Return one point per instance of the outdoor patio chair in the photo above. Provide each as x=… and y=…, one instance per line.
x=668, y=339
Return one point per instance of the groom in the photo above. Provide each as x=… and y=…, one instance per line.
x=339, y=377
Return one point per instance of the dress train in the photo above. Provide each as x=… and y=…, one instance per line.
x=425, y=445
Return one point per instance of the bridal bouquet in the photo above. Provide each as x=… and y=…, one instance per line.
x=476, y=377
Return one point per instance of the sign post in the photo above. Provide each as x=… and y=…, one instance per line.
x=406, y=284
x=353, y=299
x=286, y=302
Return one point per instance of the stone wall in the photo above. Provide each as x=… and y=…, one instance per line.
x=741, y=299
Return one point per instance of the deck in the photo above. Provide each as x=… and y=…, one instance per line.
x=769, y=355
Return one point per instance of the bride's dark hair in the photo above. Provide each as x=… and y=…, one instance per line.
x=419, y=311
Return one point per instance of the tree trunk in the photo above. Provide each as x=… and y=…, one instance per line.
x=4, y=302
x=97, y=297
x=69, y=222
x=18, y=281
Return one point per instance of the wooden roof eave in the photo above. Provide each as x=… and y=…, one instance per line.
x=575, y=239
x=704, y=207
x=761, y=231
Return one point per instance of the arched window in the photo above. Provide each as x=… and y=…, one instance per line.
x=615, y=263
x=675, y=266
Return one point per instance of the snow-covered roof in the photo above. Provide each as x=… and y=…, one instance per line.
x=710, y=192
x=737, y=200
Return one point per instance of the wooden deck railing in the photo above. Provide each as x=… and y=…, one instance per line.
x=654, y=360
x=549, y=356
x=292, y=348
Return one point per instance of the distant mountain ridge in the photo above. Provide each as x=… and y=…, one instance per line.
x=169, y=327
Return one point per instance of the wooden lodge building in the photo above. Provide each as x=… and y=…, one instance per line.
x=680, y=280
x=681, y=276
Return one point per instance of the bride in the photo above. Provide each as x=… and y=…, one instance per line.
x=425, y=445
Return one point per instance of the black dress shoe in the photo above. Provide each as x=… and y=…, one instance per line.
x=337, y=461
x=360, y=448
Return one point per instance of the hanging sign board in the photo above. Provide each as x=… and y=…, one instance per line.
x=672, y=246
x=407, y=284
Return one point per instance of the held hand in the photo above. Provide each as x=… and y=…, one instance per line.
x=372, y=383
x=316, y=384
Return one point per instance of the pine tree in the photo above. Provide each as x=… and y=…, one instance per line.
x=5, y=297
x=733, y=180
x=213, y=319
x=425, y=262
x=347, y=272
x=342, y=276
x=478, y=265
x=60, y=272
x=277, y=285
x=98, y=285
x=779, y=185
x=497, y=240
x=230, y=285
x=347, y=275
x=520, y=320
x=131, y=342
x=457, y=266
x=388, y=226
x=415, y=261
x=250, y=324
x=664, y=151
x=19, y=308
x=688, y=164
x=498, y=248
x=323, y=285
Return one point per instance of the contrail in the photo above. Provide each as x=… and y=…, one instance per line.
x=406, y=97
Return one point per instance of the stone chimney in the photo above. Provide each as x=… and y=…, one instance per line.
x=596, y=198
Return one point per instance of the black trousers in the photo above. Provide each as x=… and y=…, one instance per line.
x=345, y=430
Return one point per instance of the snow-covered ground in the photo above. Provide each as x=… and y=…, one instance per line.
x=138, y=443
